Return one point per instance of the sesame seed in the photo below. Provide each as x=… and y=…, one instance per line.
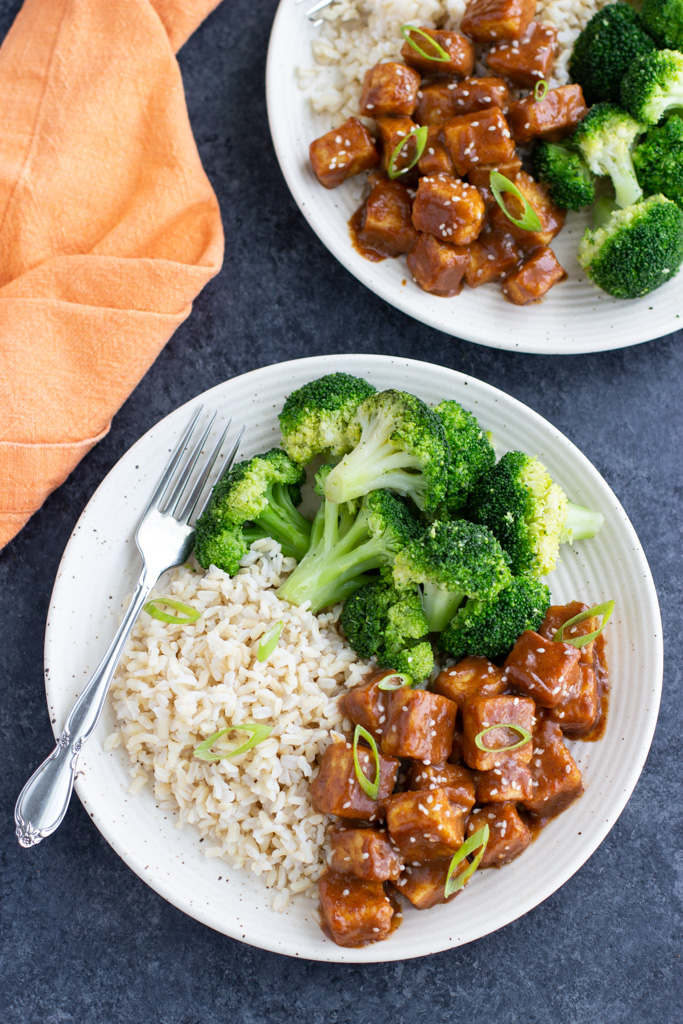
x=567, y=768
x=346, y=892
x=365, y=856
x=347, y=804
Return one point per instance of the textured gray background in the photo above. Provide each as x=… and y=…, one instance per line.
x=82, y=939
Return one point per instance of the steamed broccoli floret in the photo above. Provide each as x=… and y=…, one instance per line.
x=471, y=454
x=637, y=250
x=605, y=137
x=562, y=168
x=314, y=418
x=605, y=50
x=490, y=628
x=451, y=560
x=528, y=513
x=384, y=623
x=256, y=498
x=653, y=86
x=658, y=160
x=400, y=444
x=663, y=19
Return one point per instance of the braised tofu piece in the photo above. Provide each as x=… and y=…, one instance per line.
x=336, y=790
x=534, y=278
x=544, y=670
x=488, y=20
x=437, y=266
x=424, y=826
x=527, y=61
x=366, y=853
x=482, y=137
x=509, y=781
x=508, y=834
x=483, y=712
x=366, y=704
x=553, y=117
x=460, y=53
x=480, y=176
x=479, y=94
x=425, y=884
x=579, y=715
x=555, y=777
x=449, y=209
x=492, y=254
x=455, y=756
x=389, y=90
x=386, y=223
x=435, y=103
x=390, y=132
x=354, y=912
x=341, y=153
x=435, y=157
x=420, y=725
x=558, y=614
x=457, y=781
x=552, y=218
x=471, y=677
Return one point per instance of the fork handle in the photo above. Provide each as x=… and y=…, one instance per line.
x=44, y=799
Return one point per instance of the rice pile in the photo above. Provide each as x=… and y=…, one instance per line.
x=178, y=684
x=356, y=34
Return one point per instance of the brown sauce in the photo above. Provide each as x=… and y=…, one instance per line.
x=355, y=225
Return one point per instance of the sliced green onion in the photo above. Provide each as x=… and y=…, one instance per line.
x=188, y=614
x=442, y=55
x=268, y=642
x=420, y=136
x=370, y=789
x=258, y=734
x=477, y=839
x=605, y=610
x=395, y=681
x=499, y=184
x=541, y=90
x=524, y=733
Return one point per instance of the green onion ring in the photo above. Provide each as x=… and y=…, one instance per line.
x=269, y=641
x=370, y=789
x=540, y=90
x=524, y=733
x=258, y=734
x=189, y=614
x=442, y=54
x=477, y=839
x=499, y=184
x=605, y=610
x=395, y=681
x=420, y=136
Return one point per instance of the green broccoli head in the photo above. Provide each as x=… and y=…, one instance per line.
x=564, y=171
x=605, y=50
x=384, y=623
x=605, y=137
x=663, y=19
x=220, y=542
x=658, y=160
x=490, y=628
x=637, y=250
x=653, y=86
x=400, y=444
x=314, y=418
x=471, y=454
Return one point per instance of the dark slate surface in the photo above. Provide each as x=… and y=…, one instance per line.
x=83, y=939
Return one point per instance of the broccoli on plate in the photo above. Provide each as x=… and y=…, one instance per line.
x=471, y=454
x=663, y=19
x=562, y=168
x=606, y=137
x=315, y=418
x=490, y=628
x=387, y=624
x=653, y=86
x=605, y=50
x=658, y=160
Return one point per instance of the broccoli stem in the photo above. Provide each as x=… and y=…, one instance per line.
x=372, y=464
x=439, y=606
x=284, y=523
x=626, y=187
x=581, y=524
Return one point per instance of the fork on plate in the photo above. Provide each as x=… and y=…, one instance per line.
x=314, y=10
x=164, y=538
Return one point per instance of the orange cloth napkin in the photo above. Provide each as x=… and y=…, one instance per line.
x=108, y=225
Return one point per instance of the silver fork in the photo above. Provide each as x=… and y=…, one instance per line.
x=314, y=10
x=164, y=538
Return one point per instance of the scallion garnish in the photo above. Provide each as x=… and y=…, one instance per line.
x=188, y=614
x=540, y=90
x=258, y=734
x=499, y=184
x=441, y=54
x=605, y=610
x=420, y=136
x=268, y=642
x=476, y=840
x=524, y=733
x=395, y=681
x=370, y=789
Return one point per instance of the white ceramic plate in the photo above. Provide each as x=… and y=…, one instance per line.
x=574, y=317
x=99, y=567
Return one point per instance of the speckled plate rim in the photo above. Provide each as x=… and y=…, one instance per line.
x=633, y=623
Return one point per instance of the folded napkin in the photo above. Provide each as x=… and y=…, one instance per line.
x=108, y=225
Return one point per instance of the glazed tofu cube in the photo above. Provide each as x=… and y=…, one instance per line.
x=419, y=724
x=386, y=223
x=435, y=103
x=482, y=137
x=460, y=53
x=479, y=94
x=555, y=777
x=537, y=195
x=366, y=704
x=492, y=254
x=457, y=781
x=389, y=90
x=528, y=61
x=455, y=756
x=480, y=176
x=544, y=670
x=482, y=712
x=391, y=131
x=425, y=884
x=534, y=278
x=341, y=153
x=424, y=826
x=449, y=209
x=435, y=157
x=558, y=614
x=437, y=266
x=510, y=781
x=336, y=790
x=487, y=20
x=354, y=912
x=471, y=677
x=579, y=716
x=553, y=117
x=366, y=853
x=508, y=834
